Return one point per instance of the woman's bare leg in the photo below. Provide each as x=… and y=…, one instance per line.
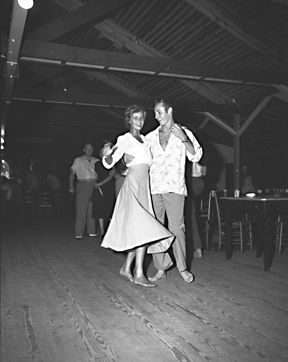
x=139, y=276
x=126, y=268
x=101, y=225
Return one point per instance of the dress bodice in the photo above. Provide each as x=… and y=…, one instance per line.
x=130, y=145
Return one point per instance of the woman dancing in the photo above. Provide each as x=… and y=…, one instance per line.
x=133, y=226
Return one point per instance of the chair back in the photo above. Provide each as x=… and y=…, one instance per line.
x=45, y=203
x=217, y=194
x=58, y=202
x=29, y=203
x=205, y=207
x=241, y=224
x=281, y=232
x=29, y=197
x=207, y=215
x=3, y=201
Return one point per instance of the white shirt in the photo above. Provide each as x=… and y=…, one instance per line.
x=167, y=172
x=129, y=144
x=85, y=169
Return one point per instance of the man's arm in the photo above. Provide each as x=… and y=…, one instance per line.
x=193, y=148
x=106, y=179
x=71, y=181
x=189, y=145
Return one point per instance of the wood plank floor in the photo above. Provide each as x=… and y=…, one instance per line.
x=64, y=300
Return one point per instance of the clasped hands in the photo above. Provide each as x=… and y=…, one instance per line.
x=127, y=158
x=108, y=149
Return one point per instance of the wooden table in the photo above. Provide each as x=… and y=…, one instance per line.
x=263, y=208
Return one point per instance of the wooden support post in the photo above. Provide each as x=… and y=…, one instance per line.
x=236, y=152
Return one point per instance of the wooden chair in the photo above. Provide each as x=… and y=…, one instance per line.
x=205, y=209
x=281, y=232
x=45, y=204
x=29, y=203
x=58, y=202
x=241, y=225
x=3, y=202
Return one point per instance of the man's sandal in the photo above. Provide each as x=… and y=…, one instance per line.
x=187, y=276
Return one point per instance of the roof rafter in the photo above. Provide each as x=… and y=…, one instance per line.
x=120, y=37
x=115, y=83
x=17, y=25
x=244, y=31
x=83, y=16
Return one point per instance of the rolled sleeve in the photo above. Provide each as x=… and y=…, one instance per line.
x=121, y=146
x=197, y=147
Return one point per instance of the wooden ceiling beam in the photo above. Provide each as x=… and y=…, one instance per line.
x=283, y=95
x=11, y=70
x=115, y=83
x=121, y=37
x=220, y=123
x=280, y=1
x=60, y=54
x=84, y=16
x=105, y=101
x=254, y=114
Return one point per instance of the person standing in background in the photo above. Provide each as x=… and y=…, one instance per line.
x=54, y=181
x=196, y=187
x=83, y=168
x=247, y=182
x=33, y=178
x=103, y=198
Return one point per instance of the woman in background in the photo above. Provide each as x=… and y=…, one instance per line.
x=103, y=197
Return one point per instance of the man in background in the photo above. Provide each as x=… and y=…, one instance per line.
x=83, y=168
x=196, y=187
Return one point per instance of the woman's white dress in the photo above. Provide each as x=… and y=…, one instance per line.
x=133, y=221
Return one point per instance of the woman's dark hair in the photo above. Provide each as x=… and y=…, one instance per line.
x=130, y=111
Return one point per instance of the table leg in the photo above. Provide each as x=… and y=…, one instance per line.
x=228, y=234
x=260, y=221
x=265, y=238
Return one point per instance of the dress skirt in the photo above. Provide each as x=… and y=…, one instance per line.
x=133, y=221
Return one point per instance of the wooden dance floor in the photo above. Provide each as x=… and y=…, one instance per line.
x=63, y=300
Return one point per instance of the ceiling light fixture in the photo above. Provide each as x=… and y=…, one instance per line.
x=41, y=60
x=26, y=4
x=223, y=80
x=127, y=70
x=186, y=76
x=85, y=65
